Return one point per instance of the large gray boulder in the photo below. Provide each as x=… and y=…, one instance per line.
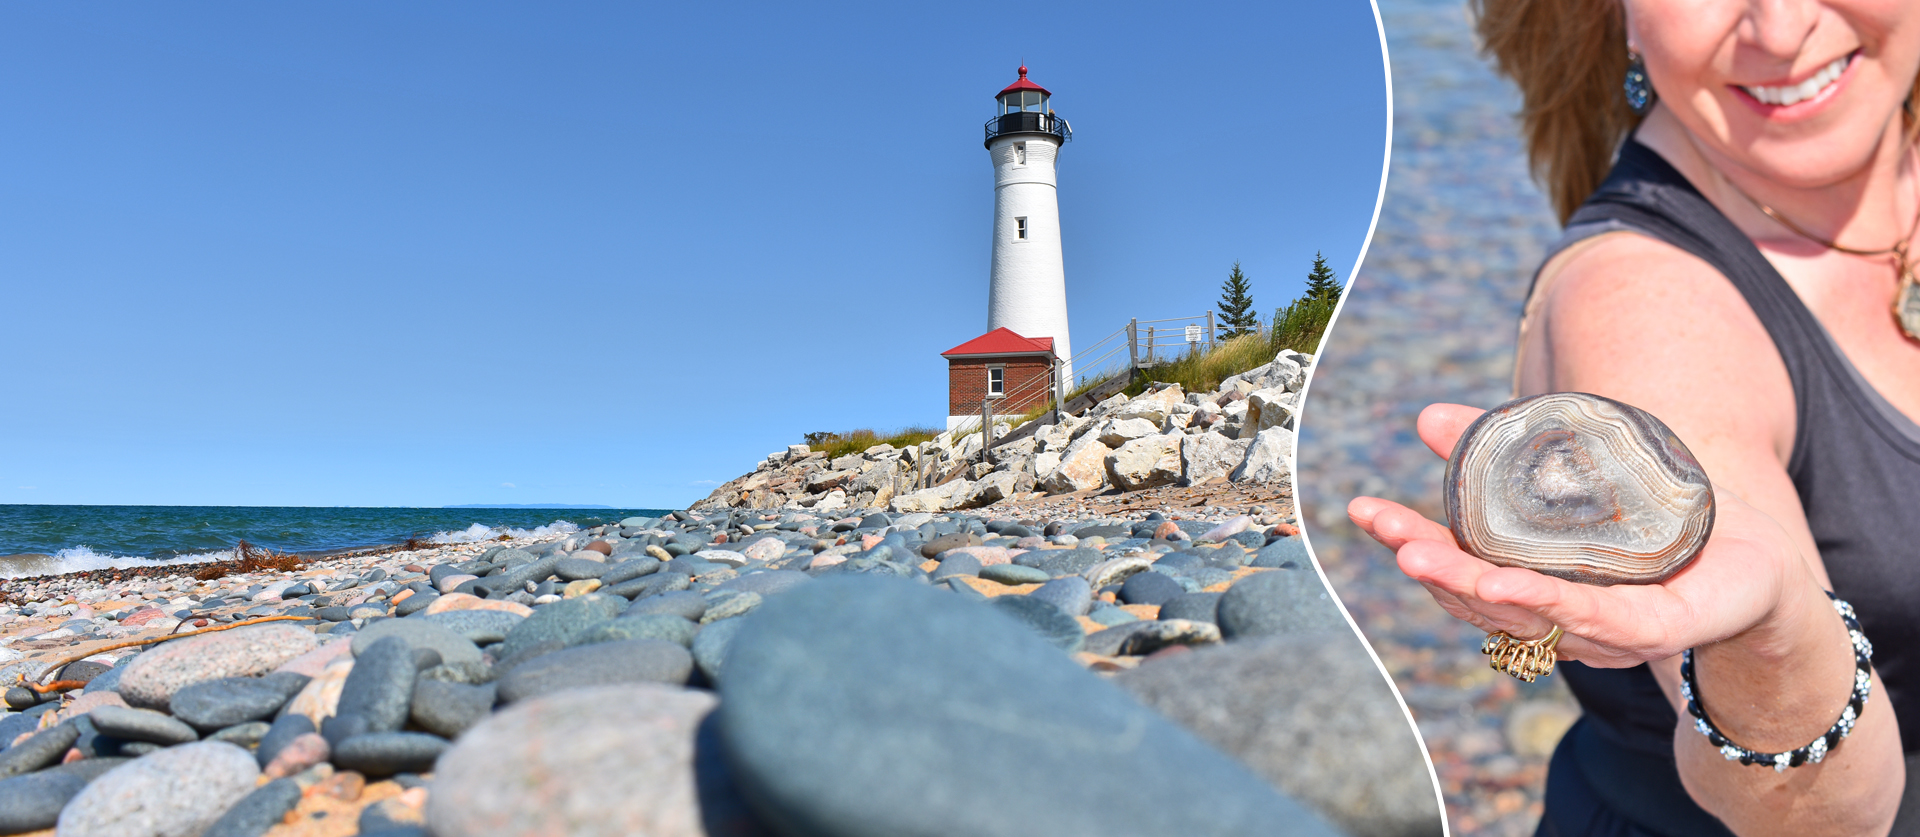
x=1146, y=462
x=1269, y=457
x=1083, y=467
x=1204, y=456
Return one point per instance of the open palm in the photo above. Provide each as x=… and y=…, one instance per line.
x=1735, y=583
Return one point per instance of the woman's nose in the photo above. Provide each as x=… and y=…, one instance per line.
x=1779, y=28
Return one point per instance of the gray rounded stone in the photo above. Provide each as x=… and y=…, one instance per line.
x=1063, y=562
x=257, y=812
x=629, y=569
x=577, y=569
x=377, y=693
x=449, y=709
x=1014, y=574
x=665, y=626
x=1195, y=607
x=1283, y=554
x=566, y=622
x=141, y=725
x=246, y=735
x=1043, y=617
x=710, y=647
x=1279, y=603
x=958, y=563
x=175, y=792
x=607, y=663
x=480, y=627
x=285, y=728
x=216, y=704
x=767, y=582
x=33, y=802
x=382, y=754
x=1071, y=594
x=637, y=759
x=846, y=700
x=652, y=585
x=686, y=604
x=727, y=604
x=421, y=633
x=1150, y=588
x=1337, y=740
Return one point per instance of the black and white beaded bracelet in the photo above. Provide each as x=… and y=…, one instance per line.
x=1814, y=752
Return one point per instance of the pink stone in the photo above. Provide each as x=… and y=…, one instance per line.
x=152, y=678
x=315, y=661
x=870, y=541
x=1166, y=532
x=304, y=751
x=988, y=555
x=765, y=549
x=825, y=561
x=143, y=616
x=448, y=582
x=89, y=701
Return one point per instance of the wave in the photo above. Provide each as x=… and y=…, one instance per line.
x=82, y=559
x=479, y=532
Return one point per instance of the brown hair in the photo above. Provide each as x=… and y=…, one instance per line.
x=1569, y=58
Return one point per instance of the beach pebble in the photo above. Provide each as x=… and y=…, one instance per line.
x=767, y=582
x=1052, y=623
x=727, y=604
x=283, y=730
x=607, y=663
x=43, y=748
x=1071, y=594
x=141, y=725
x=258, y=811
x=382, y=754
x=1284, y=553
x=665, y=626
x=1013, y=574
x=215, y=704
x=419, y=633
x=176, y=792
x=297, y=756
x=246, y=735
x=889, y=680
x=480, y=627
x=377, y=694
x=33, y=802
x=1195, y=607
x=1337, y=740
x=1279, y=603
x=449, y=709
x=710, y=647
x=957, y=565
x=631, y=766
x=152, y=678
x=563, y=622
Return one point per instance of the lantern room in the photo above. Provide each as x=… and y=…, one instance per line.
x=1023, y=96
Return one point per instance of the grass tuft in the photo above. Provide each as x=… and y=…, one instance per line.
x=836, y=445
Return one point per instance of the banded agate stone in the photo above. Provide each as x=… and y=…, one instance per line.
x=1578, y=487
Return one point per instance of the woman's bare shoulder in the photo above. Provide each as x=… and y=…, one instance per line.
x=1644, y=321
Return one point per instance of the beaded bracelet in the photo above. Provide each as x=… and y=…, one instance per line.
x=1815, y=751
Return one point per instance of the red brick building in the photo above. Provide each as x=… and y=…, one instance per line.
x=1016, y=372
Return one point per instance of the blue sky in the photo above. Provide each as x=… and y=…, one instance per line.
x=430, y=253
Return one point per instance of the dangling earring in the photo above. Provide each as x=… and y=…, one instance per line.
x=1639, y=91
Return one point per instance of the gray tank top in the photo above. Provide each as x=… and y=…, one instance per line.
x=1855, y=463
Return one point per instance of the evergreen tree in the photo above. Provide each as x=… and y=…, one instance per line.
x=1321, y=283
x=1236, y=306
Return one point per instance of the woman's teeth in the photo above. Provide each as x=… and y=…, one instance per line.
x=1796, y=93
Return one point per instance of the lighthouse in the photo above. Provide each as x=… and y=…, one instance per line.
x=1028, y=290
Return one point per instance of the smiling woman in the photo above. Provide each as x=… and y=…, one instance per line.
x=1740, y=191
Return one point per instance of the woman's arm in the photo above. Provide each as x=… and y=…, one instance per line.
x=1644, y=323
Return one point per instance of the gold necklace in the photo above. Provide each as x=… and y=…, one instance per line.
x=1906, y=298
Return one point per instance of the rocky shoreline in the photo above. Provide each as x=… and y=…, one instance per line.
x=1242, y=432
x=735, y=671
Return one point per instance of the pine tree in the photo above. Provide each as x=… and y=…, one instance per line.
x=1321, y=283
x=1236, y=306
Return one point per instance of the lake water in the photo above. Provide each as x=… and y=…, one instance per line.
x=1431, y=317
x=41, y=540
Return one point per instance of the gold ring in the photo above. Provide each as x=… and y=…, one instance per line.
x=1525, y=659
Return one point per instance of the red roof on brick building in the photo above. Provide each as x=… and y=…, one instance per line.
x=1001, y=341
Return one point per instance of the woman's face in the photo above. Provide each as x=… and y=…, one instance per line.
x=1800, y=92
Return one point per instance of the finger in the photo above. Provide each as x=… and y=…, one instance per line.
x=1627, y=618
x=1396, y=525
x=1440, y=426
x=1361, y=510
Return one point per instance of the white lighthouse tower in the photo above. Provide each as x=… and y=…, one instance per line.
x=1029, y=288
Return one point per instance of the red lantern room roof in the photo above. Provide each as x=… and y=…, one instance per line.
x=1023, y=84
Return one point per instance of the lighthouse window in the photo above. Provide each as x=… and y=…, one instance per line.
x=1020, y=153
x=996, y=380
x=1020, y=228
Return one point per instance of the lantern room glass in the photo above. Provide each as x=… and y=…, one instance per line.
x=1023, y=100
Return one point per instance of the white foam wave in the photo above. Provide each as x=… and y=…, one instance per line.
x=82, y=558
x=478, y=532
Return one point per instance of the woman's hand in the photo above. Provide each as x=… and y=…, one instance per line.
x=1747, y=577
